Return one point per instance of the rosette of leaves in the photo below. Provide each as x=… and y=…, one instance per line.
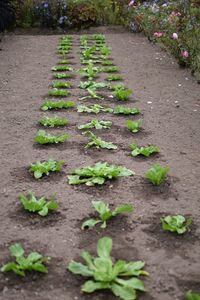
x=122, y=110
x=110, y=69
x=96, y=124
x=145, y=151
x=43, y=138
x=105, y=214
x=98, y=142
x=40, y=206
x=88, y=53
x=96, y=108
x=122, y=94
x=133, y=126
x=93, y=85
x=62, y=75
x=116, y=87
x=61, y=84
x=119, y=277
x=53, y=122
x=192, y=296
x=58, y=93
x=92, y=95
x=114, y=78
x=98, y=174
x=157, y=174
x=33, y=262
x=105, y=52
x=107, y=63
x=61, y=104
x=90, y=71
x=39, y=169
x=61, y=68
x=178, y=224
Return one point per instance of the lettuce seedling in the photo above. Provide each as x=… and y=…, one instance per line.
x=63, y=62
x=63, y=52
x=178, y=224
x=114, y=77
x=58, y=93
x=98, y=174
x=107, y=63
x=96, y=108
x=123, y=110
x=90, y=71
x=98, y=142
x=44, y=168
x=105, y=213
x=93, y=85
x=157, y=174
x=133, y=126
x=122, y=94
x=33, y=262
x=105, y=52
x=99, y=37
x=192, y=296
x=116, y=87
x=110, y=69
x=53, y=122
x=62, y=75
x=43, y=138
x=96, y=124
x=145, y=151
x=92, y=95
x=119, y=277
x=88, y=53
x=57, y=105
x=40, y=206
x=61, y=68
x=61, y=84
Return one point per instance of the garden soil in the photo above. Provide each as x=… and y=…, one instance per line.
x=169, y=99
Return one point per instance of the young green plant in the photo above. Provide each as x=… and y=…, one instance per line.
x=145, y=151
x=43, y=138
x=53, y=122
x=96, y=108
x=192, y=296
x=157, y=174
x=61, y=104
x=59, y=93
x=98, y=142
x=96, y=124
x=133, y=126
x=178, y=224
x=122, y=94
x=39, y=169
x=122, y=110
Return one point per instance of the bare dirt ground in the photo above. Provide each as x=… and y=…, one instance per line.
x=169, y=99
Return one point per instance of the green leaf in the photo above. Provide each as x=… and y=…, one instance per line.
x=39, y=267
x=88, y=259
x=177, y=223
x=16, y=250
x=90, y=286
x=90, y=223
x=192, y=296
x=145, y=151
x=157, y=174
x=34, y=257
x=126, y=110
x=78, y=268
x=133, y=126
x=126, y=208
x=123, y=292
x=104, y=247
x=134, y=283
x=134, y=269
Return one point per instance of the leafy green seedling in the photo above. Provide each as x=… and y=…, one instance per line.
x=62, y=75
x=105, y=213
x=116, y=87
x=61, y=84
x=96, y=124
x=123, y=110
x=119, y=277
x=33, y=262
x=58, y=93
x=92, y=95
x=98, y=142
x=178, y=224
x=122, y=94
x=40, y=206
x=96, y=108
x=63, y=52
x=133, y=126
x=43, y=138
x=43, y=168
x=98, y=174
x=87, y=62
x=57, y=105
x=157, y=174
x=90, y=71
x=107, y=63
x=145, y=151
x=192, y=296
x=64, y=47
x=93, y=85
x=88, y=53
x=63, y=62
x=53, y=122
x=105, y=52
x=110, y=69
x=99, y=37
x=114, y=77
x=61, y=68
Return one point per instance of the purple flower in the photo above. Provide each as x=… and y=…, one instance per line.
x=46, y=5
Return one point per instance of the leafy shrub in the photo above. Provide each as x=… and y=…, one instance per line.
x=192, y=296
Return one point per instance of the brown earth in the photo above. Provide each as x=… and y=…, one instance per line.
x=169, y=99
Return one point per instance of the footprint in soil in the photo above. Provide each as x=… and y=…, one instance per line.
x=172, y=243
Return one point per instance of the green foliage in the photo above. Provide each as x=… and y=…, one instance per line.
x=107, y=63
x=43, y=168
x=96, y=124
x=88, y=53
x=43, y=138
x=145, y=151
x=53, y=122
x=99, y=38
x=33, y=262
x=157, y=174
x=108, y=275
x=110, y=69
x=61, y=68
x=98, y=174
x=126, y=110
x=114, y=77
x=96, y=108
x=90, y=71
x=192, y=296
x=98, y=142
x=177, y=224
x=105, y=214
x=116, y=87
x=62, y=75
x=133, y=126
x=61, y=84
x=62, y=104
x=63, y=62
x=91, y=95
x=93, y=85
x=122, y=94
x=58, y=93
x=105, y=52
x=40, y=206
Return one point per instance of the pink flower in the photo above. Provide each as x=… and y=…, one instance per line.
x=185, y=54
x=175, y=36
x=158, y=34
x=131, y=3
